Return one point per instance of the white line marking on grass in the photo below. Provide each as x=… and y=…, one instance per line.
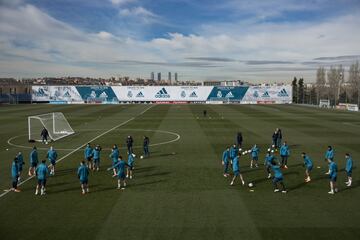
x=177, y=137
x=83, y=145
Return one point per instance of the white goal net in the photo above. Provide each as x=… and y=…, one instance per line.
x=324, y=103
x=55, y=123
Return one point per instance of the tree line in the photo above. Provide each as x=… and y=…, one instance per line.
x=330, y=84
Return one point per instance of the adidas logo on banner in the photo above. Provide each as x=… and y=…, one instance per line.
x=162, y=94
x=40, y=93
x=67, y=94
x=193, y=95
x=140, y=94
x=283, y=93
x=103, y=95
x=229, y=95
x=266, y=94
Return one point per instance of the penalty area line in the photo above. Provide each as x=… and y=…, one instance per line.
x=81, y=146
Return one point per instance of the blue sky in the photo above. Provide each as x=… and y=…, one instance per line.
x=258, y=41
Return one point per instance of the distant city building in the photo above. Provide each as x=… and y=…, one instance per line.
x=176, y=77
x=169, y=78
x=159, y=76
x=152, y=76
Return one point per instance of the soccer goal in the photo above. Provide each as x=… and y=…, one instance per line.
x=324, y=103
x=56, y=124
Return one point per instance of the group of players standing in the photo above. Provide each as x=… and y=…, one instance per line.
x=92, y=156
x=231, y=156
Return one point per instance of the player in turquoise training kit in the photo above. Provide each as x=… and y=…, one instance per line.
x=254, y=156
x=52, y=156
x=284, y=154
x=278, y=177
x=21, y=163
x=236, y=170
x=233, y=152
x=114, y=155
x=88, y=154
x=333, y=176
x=83, y=175
x=308, y=166
x=120, y=169
x=130, y=163
x=348, y=169
x=15, y=175
x=269, y=158
x=96, y=157
x=225, y=161
x=34, y=160
x=329, y=155
x=41, y=174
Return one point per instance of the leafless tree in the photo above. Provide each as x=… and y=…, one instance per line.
x=320, y=83
x=354, y=81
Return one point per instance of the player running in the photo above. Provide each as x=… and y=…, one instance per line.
x=52, y=156
x=254, y=156
x=130, y=163
x=88, y=153
x=236, y=170
x=41, y=174
x=348, y=169
x=284, y=154
x=83, y=175
x=114, y=155
x=34, y=160
x=333, y=176
x=225, y=161
x=278, y=177
x=21, y=163
x=308, y=166
x=15, y=175
x=96, y=156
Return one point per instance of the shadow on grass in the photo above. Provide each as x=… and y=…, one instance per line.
x=156, y=174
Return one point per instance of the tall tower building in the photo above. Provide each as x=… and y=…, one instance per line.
x=152, y=76
x=169, y=77
x=159, y=76
x=176, y=77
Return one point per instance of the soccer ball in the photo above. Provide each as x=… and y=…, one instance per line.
x=250, y=185
x=141, y=157
x=273, y=146
x=133, y=155
x=243, y=153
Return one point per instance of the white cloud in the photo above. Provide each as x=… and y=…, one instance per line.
x=121, y=2
x=139, y=13
x=105, y=35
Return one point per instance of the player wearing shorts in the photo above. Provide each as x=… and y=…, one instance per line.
x=21, y=163
x=348, y=169
x=254, y=156
x=34, y=160
x=278, y=177
x=52, y=156
x=332, y=176
x=308, y=166
x=269, y=158
x=130, y=163
x=96, y=157
x=15, y=175
x=83, y=175
x=284, y=154
x=120, y=169
x=41, y=175
x=329, y=155
x=236, y=170
x=88, y=155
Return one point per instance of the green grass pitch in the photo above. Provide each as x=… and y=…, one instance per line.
x=179, y=192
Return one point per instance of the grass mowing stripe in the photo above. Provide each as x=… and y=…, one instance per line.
x=81, y=146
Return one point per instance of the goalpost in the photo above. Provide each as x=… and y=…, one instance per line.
x=324, y=103
x=56, y=124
